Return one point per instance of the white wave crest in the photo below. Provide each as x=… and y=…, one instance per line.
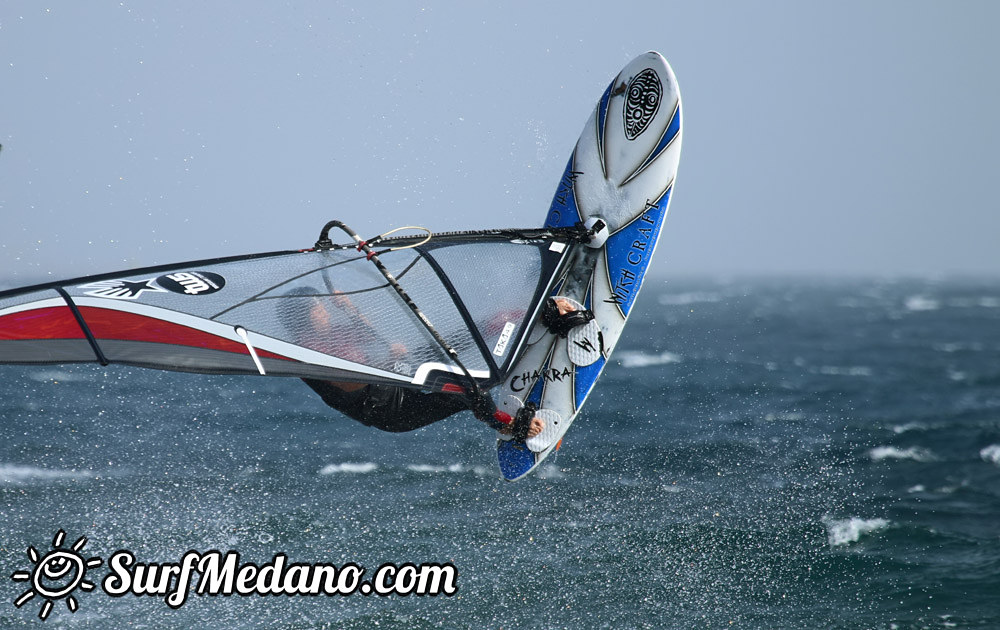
x=959, y=347
x=348, y=467
x=634, y=359
x=956, y=375
x=921, y=303
x=986, y=301
x=991, y=454
x=548, y=471
x=61, y=376
x=693, y=297
x=915, y=453
x=785, y=416
x=854, y=370
x=909, y=426
x=429, y=468
x=846, y=531
x=15, y=474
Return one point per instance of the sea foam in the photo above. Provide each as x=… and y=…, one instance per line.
x=915, y=453
x=16, y=474
x=635, y=359
x=986, y=301
x=348, y=467
x=909, y=426
x=853, y=370
x=430, y=468
x=693, y=297
x=991, y=454
x=58, y=376
x=842, y=532
x=921, y=303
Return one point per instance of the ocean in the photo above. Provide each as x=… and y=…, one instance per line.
x=773, y=453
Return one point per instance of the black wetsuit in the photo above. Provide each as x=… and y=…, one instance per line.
x=389, y=408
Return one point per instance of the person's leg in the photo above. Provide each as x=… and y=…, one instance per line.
x=398, y=409
x=389, y=408
x=351, y=403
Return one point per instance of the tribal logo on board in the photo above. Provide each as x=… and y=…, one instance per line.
x=642, y=100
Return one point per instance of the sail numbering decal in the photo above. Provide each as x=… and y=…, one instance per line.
x=192, y=282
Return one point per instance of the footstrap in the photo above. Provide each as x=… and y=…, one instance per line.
x=562, y=324
x=522, y=421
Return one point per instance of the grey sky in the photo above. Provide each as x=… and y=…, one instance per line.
x=835, y=138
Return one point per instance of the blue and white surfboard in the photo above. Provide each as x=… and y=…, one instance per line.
x=622, y=172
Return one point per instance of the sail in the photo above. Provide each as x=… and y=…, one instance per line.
x=325, y=313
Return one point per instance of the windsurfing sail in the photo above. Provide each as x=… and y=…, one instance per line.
x=326, y=312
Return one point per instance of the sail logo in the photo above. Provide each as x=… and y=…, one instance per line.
x=121, y=289
x=192, y=282
x=183, y=282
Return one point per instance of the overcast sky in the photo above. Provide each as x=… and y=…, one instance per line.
x=838, y=138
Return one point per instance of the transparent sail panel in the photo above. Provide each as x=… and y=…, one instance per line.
x=350, y=311
x=496, y=282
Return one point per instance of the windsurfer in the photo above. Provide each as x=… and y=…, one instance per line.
x=385, y=407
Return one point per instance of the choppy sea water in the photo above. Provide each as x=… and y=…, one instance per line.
x=758, y=454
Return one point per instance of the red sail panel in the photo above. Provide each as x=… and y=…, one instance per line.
x=54, y=322
x=58, y=322
x=119, y=325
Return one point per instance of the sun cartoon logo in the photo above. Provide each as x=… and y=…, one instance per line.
x=56, y=575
